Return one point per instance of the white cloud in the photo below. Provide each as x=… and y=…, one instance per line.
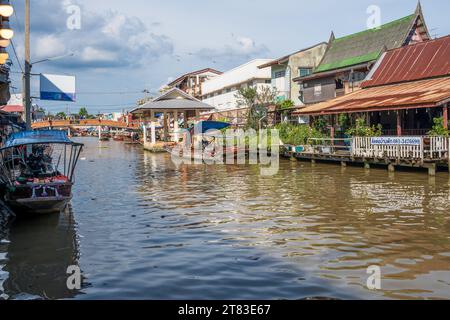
x=106, y=39
x=48, y=46
x=240, y=49
x=90, y=54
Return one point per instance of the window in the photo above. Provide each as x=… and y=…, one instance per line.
x=318, y=89
x=301, y=97
x=279, y=74
x=268, y=81
x=303, y=72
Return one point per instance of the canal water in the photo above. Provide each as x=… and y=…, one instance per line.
x=141, y=228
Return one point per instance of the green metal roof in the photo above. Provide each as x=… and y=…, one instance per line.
x=365, y=46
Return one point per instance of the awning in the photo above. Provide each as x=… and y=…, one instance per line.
x=38, y=137
x=204, y=126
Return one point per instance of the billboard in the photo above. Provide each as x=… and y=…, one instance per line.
x=57, y=88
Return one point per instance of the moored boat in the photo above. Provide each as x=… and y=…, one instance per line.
x=37, y=170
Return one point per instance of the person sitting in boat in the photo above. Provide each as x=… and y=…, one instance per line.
x=38, y=163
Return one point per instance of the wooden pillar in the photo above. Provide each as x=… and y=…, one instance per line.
x=185, y=119
x=166, y=128
x=399, y=123
x=432, y=170
x=391, y=168
x=445, y=115
x=332, y=133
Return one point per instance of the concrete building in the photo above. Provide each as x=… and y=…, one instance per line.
x=191, y=83
x=221, y=91
x=298, y=64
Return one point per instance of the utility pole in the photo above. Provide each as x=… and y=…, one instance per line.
x=27, y=74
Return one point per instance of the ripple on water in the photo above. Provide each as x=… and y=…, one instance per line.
x=143, y=228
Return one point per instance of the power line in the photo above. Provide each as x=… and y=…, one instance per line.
x=15, y=54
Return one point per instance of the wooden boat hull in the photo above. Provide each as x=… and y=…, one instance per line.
x=39, y=206
x=39, y=198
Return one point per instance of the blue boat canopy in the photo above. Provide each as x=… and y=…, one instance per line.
x=204, y=126
x=22, y=138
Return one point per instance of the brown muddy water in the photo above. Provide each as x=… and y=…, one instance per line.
x=141, y=228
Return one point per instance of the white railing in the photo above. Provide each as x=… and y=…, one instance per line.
x=428, y=148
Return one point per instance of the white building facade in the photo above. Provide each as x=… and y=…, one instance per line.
x=220, y=92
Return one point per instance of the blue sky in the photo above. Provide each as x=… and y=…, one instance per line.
x=128, y=46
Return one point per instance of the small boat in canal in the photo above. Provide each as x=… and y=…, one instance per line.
x=203, y=135
x=37, y=171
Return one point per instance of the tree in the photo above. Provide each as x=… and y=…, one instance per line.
x=83, y=113
x=439, y=128
x=61, y=115
x=361, y=129
x=286, y=104
x=257, y=103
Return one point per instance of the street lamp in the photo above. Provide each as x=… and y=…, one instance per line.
x=6, y=9
x=5, y=30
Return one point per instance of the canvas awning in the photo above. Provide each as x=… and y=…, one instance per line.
x=37, y=137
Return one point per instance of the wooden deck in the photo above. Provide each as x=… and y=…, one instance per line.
x=417, y=152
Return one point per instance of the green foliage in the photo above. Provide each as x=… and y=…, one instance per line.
x=83, y=113
x=361, y=129
x=294, y=134
x=321, y=125
x=61, y=115
x=438, y=128
x=257, y=103
x=286, y=104
x=344, y=122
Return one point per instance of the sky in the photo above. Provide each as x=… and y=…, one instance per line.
x=117, y=49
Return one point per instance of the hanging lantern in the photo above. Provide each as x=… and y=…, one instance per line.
x=5, y=30
x=6, y=9
x=4, y=43
x=4, y=56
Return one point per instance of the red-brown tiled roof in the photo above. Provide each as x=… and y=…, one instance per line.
x=423, y=60
x=12, y=109
x=414, y=94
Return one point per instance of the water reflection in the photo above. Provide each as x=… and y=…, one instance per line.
x=35, y=255
x=329, y=222
x=151, y=230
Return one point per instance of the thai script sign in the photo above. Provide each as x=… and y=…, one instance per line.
x=395, y=141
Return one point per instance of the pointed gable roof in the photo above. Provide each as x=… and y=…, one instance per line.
x=174, y=99
x=366, y=46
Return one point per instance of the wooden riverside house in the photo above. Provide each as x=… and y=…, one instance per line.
x=348, y=60
x=406, y=89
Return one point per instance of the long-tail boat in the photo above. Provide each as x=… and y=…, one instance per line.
x=37, y=171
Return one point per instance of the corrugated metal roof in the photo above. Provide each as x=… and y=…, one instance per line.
x=416, y=94
x=419, y=61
